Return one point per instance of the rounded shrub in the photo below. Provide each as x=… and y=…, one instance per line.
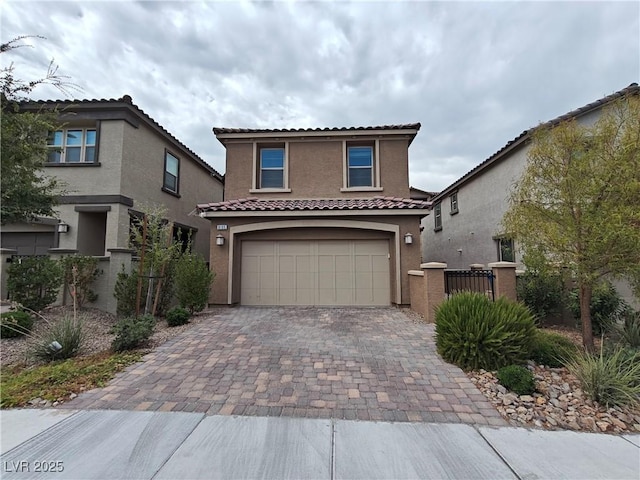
x=132, y=332
x=473, y=332
x=551, y=349
x=518, y=379
x=15, y=324
x=177, y=316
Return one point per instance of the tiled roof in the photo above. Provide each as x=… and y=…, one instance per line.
x=128, y=103
x=257, y=205
x=632, y=89
x=406, y=126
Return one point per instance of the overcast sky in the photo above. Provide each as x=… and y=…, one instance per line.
x=474, y=74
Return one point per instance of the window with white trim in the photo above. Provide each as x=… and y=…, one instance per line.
x=454, y=203
x=360, y=166
x=271, y=173
x=171, y=182
x=437, y=217
x=72, y=145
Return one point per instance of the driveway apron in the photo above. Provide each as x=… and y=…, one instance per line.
x=346, y=363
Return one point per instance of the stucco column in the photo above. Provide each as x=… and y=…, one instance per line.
x=504, y=281
x=56, y=254
x=434, y=288
x=417, y=292
x=5, y=257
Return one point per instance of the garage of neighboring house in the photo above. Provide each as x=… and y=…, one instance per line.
x=34, y=238
x=322, y=272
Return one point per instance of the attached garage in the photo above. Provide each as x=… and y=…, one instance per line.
x=322, y=272
x=28, y=243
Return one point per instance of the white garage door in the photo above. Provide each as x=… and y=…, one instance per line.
x=324, y=272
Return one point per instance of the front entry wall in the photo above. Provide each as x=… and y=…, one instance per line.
x=324, y=272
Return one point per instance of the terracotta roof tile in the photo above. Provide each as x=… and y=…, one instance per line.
x=253, y=204
x=218, y=130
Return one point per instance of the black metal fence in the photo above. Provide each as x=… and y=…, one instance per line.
x=480, y=281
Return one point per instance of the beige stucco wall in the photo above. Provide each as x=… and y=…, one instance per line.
x=219, y=259
x=316, y=169
x=142, y=180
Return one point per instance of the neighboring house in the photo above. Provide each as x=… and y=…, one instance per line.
x=465, y=227
x=114, y=160
x=315, y=217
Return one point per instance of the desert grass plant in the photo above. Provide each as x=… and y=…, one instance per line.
x=473, y=332
x=61, y=340
x=627, y=332
x=610, y=379
x=517, y=378
x=15, y=323
x=551, y=349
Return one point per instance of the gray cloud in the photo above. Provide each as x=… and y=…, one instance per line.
x=475, y=74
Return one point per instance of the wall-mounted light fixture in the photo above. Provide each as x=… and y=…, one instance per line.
x=63, y=227
x=219, y=240
x=408, y=238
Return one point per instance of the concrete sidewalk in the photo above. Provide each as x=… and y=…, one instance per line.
x=172, y=445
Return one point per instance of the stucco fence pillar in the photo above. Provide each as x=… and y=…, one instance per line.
x=426, y=288
x=5, y=257
x=504, y=281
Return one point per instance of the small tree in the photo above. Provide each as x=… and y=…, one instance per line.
x=26, y=191
x=192, y=281
x=79, y=282
x=578, y=201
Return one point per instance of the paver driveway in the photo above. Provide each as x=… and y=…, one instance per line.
x=350, y=363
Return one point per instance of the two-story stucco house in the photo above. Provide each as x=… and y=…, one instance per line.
x=465, y=227
x=114, y=160
x=315, y=217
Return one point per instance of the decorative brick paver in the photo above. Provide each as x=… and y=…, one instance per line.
x=348, y=363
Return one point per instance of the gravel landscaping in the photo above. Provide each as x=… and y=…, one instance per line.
x=558, y=404
x=97, y=324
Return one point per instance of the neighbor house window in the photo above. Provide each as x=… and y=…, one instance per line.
x=360, y=166
x=506, y=252
x=272, y=167
x=454, y=203
x=437, y=216
x=171, y=173
x=73, y=145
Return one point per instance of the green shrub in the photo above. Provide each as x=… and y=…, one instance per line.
x=61, y=340
x=612, y=379
x=132, y=332
x=177, y=316
x=541, y=292
x=473, y=332
x=86, y=271
x=126, y=288
x=192, y=282
x=125, y=291
x=15, y=324
x=606, y=307
x=518, y=379
x=34, y=282
x=551, y=349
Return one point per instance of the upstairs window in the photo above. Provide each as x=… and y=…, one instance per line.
x=454, y=203
x=272, y=167
x=360, y=166
x=77, y=145
x=437, y=217
x=171, y=173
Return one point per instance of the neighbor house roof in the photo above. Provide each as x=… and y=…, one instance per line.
x=410, y=129
x=112, y=104
x=375, y=204
x=521, y=139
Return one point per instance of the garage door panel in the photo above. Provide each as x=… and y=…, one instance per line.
x=315, y=273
